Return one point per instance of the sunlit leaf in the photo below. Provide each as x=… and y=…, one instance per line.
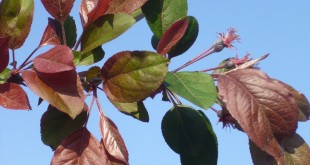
x=90, y=10
x=12, y=96
x=88, y=58
x=105, y=29
x=189, y=133
x=80, y=148
x=161, y=15
x=4, y=75
x=50, y=35
x=252, y=97
x=137, y=110
x=56, y=125
x=59, y=9
x=173, y=34
x=196, y=87
x=4, y=53
x=15, y=21
x=113, y=141
x=124, y=6
x=133, y=76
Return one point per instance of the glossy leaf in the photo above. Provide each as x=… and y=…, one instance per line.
x=161, y=15
x=59, y=9
x=187, y=40
x=80, y=148
x=4, y=53
x=196, y=87
x=88, y=58
x=113, y=141
x=90, y=10
x=133, y=76
x=105, y=29
x=68, y=99
x=5, y=75
x=124, y=6
x=56, y=125
x=50, y=35
x=189, y=133
x=15, y=21
x=173, y=34
x=251, y=97
x=136, y=110
x=12, y=96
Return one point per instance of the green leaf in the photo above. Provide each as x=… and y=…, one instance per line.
x=5, y=75
x=196, y=87
x=160, y=15
x=133, y=76
x=56, y=125
x=105, y=29
x=88, y=58
x=190, y=134
x=136, y=110
x=15, y=20
x=70, y=31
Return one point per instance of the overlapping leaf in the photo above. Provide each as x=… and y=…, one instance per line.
x=5, y=75
x=105, y=29
x=252, y=97
x=80, y=148
x=70, y=31
x=50, y=36
x=196, y=87
x=59, y=9
x=90, y=10
x=88, y=58
x=12, y=96
x=4, y=53
x=124, y=6
x=113, y=141
x=56, y=125
x=137, y=110
x=15, y=21
x=133, y=76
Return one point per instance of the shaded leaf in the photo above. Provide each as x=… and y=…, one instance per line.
x=161, y=15
x=4, y=53
x=80, y=148
x=133, y=76
x=172, y=35
x=68, y=99
x=88, y=58
x=59, y=9
x=124, y=6
x=12, y=96
x=70, y=31
x=189, y=133
x=90, y=10
x=251, y=97
x=136, y=110
x=154, y=42
x=56, y=125
x=15, y=21
x=196, y=87
x=50, y=35
x=113, y=141
x=93, y=73
x=5, y=75
x=105, y=29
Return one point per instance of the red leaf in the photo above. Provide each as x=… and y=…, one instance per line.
x=124, y=6
x=80, y=148
x=59, y=9
x=50, y=36
x=12, y=96
x=113, y=141
x=263, y=108
x=4, y=53
x=90, y=10
x=172, y=35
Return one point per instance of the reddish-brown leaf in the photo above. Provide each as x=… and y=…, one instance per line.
x=80, y=148
x=172, y=35
x=90, y=10
x=50, y=36
x=12, y=96
x=59, y=9
x=263, y=108
x=113, y=141
x=4, y=53
x=124, y=6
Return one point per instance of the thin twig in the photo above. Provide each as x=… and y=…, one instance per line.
x=26, y=62
x=63, y=32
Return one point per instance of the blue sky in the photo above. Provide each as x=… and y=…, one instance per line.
x=281, y=29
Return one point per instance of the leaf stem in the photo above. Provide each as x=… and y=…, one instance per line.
x=26, y=62
x=63, y=32
x=14, y=61
x=210, y=69
x=173, y=97
x=78, y=43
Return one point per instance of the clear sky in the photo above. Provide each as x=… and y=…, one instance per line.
x=278, y=28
